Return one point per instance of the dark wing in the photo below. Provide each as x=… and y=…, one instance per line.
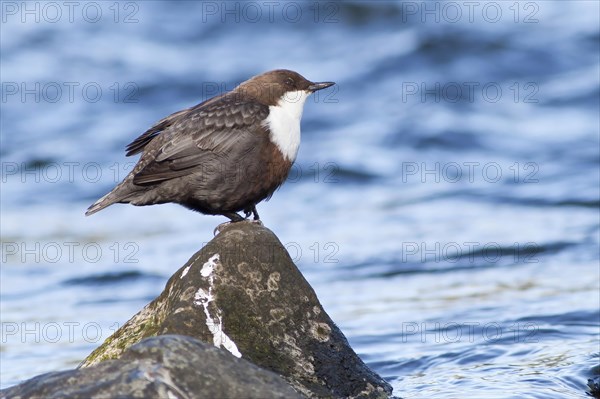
x=138, y=144
x=202, y=134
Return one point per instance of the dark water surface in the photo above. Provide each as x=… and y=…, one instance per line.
x=444, y=205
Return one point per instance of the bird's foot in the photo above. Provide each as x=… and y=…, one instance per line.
x=256, y=218
x=252, y=211
x=220, y=227
x=235, y=218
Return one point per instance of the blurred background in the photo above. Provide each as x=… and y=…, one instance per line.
x=444, y=204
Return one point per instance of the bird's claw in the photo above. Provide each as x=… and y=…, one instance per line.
x=220, y=227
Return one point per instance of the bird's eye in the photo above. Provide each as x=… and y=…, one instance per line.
x=289, y=82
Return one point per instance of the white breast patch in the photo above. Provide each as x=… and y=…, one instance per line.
x=284, y=122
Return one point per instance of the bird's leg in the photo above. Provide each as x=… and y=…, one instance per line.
x=234, y=217
x=256, y=218
x=254, y=211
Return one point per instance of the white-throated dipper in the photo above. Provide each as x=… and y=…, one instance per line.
x=224, y=155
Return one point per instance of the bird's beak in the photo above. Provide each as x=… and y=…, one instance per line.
x=318, y=86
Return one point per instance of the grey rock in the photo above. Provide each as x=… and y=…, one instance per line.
x=169, y=366
x=242, y=292
x=594, y=387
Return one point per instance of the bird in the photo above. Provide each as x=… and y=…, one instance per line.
x=222, y=156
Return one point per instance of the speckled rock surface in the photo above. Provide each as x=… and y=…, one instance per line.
x=169, y=366
x=243, y=293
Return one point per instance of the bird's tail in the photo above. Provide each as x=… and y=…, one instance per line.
x=102, y=203
x=123, y=193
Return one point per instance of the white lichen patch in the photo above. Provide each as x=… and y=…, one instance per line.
x=185, y=271
x=209, y=266
x=277, y=315
x=302, y=362
x=214, y=324
x=320, y=331
x=249, y=273
x=273, y=281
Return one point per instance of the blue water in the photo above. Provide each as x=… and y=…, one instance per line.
x=444, y=204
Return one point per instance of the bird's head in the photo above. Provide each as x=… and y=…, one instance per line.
x=280, y=85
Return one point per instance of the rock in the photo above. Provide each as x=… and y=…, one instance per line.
x=243, y=293
x=594, y=386
x=169, y=366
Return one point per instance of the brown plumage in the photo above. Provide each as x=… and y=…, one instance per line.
x=221, y=156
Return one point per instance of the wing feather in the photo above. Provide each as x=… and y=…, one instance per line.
x=138, y=144
x=199, y=135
